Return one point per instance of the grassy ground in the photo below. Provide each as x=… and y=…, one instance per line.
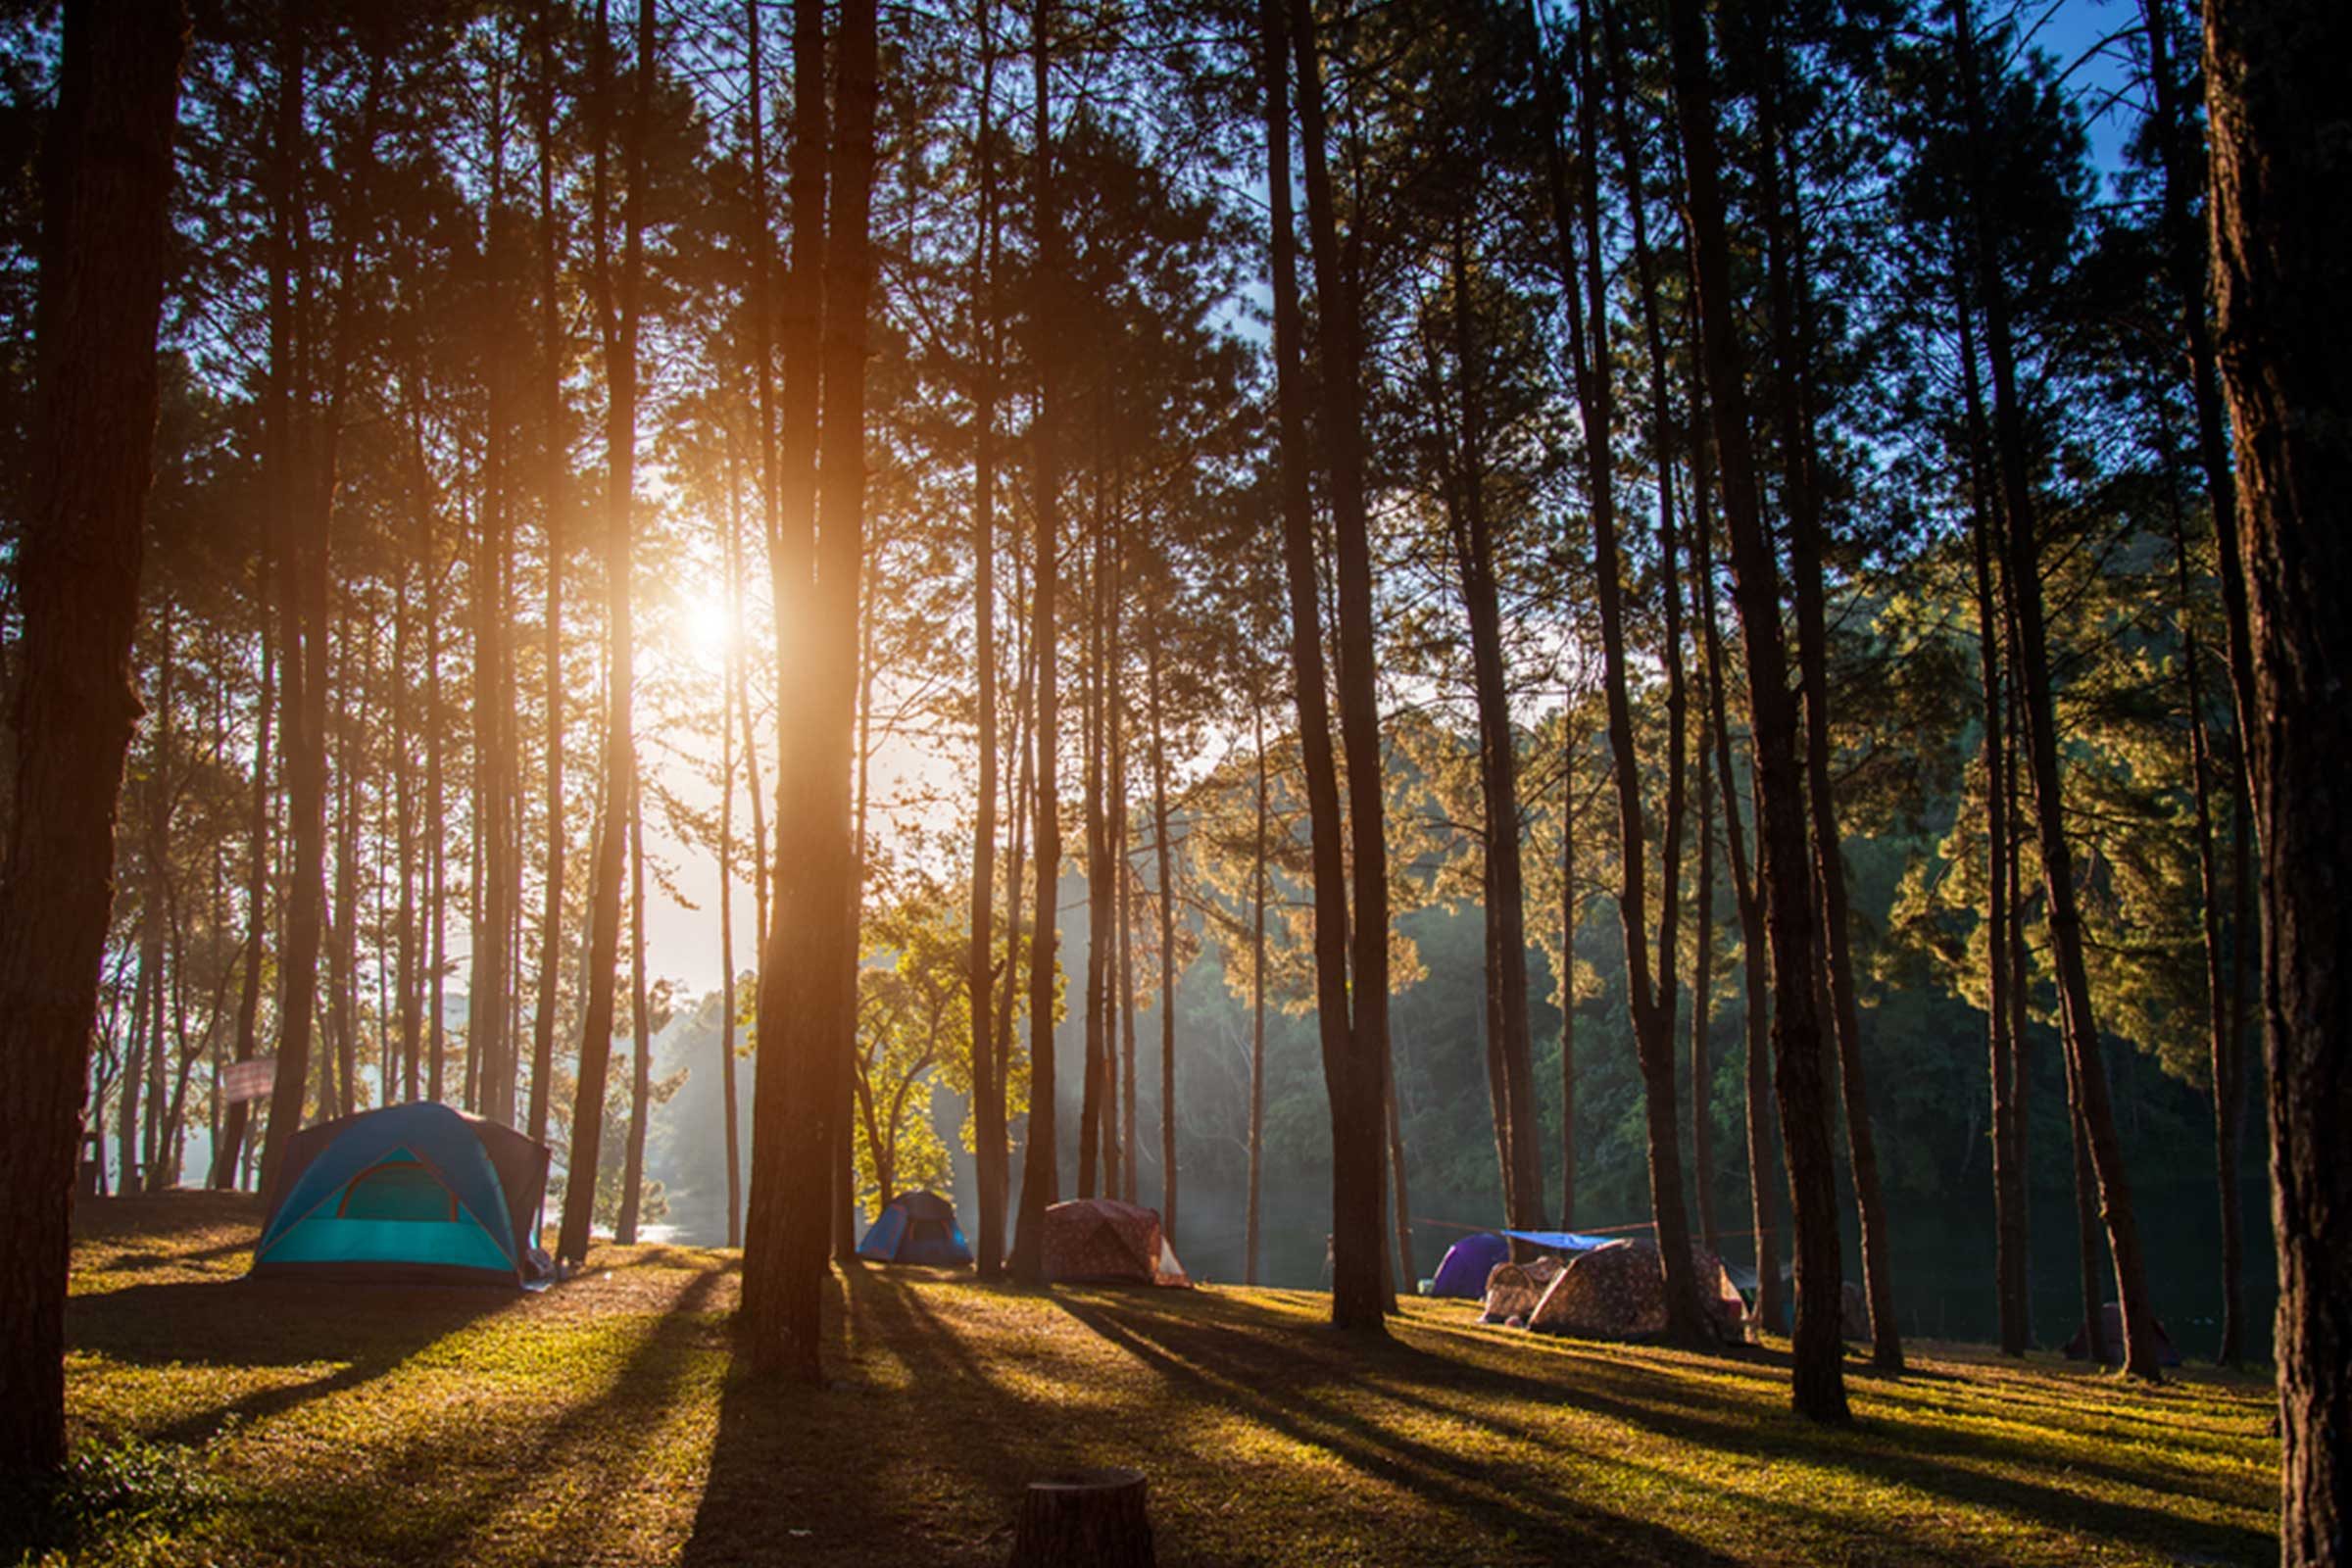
x=600, y=1423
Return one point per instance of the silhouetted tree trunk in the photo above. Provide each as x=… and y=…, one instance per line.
x=2273, y=75
x=1309, y=680
x=302, y=628
x=1510, y=1045
x=235, y=1119
x=2086, y=1058
x=1790, y=314
x=1167, y=936
x=1258, y=994
x=1100, y=887
x=555, y=505
x=1041, y=1181
x=105, y=177
x=990, y=1167
x=2008, y=1145
x=1359, y=1297
x=617, y=310
x=807, y=1023
x=1785, y=874
x=1747, y=900
x=1650, y=1003
x=1567, y=977
x=641, y=1037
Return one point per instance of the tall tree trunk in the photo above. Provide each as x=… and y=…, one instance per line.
x=730, y=685
x=807, y=1022
x=2084, y=1052
x=1118, y=1150
x=105, y=180
x=1746, y=898
x=990, y=1169
x=556, y=524
x=641, y=1037
x=1567, y=977
x=1818, y=1381
x=1651, y=1004
x=1359, y=1297
x=2218, y=1023
x=2008, y=1145
x=1040, y=1172
x=1789, y=311
x=618, y=309
x=1257, y=996
x=1309, y=682
x=237, y=1118
x=1099, y=885
x=302, y=628
x=1167, y=932
x=1511, y=1047
x=2273, y=83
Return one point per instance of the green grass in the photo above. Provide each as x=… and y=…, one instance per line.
x=602, y=1423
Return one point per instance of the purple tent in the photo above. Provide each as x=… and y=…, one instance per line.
x=1467, y=1265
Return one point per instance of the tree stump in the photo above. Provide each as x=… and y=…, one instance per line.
x=1084, y=1519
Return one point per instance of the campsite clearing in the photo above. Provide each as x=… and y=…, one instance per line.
x=599, y=1423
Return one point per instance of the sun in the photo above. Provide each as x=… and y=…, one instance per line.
x=706, y=625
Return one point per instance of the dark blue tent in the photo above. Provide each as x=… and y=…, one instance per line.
x=1467, y=1265
x=916, y=1228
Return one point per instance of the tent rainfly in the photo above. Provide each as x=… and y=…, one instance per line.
x=414, y=1193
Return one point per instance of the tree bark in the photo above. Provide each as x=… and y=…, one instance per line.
x=1257, y=996
x=1311, y=684
x=2086, y=1058
x=106, y=180
x=2010, y=1259
x=619, y=304
x=1510, y=1046
x=1789, y=311
x=1167, y=940
x=2280, y=227
x=1650, y=997
x=807, y=1020
x=1818, y=1381
x=556, y=522
x=989, y=1162
x=1360, y=1300
x=1040, y=1163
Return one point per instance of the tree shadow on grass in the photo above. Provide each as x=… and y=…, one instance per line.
x=1472, y=1486
x=355, y=1333
x=1913, y=1450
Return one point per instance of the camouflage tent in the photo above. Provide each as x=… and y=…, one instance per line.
x=1101, y=1240
x=1618, y=1292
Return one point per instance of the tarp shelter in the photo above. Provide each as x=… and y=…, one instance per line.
x=415, y=1193
x=915, y=1227
x=2111, y=1320
x=1567, y=1244
x=1100, y=1241
x=1467, y=1263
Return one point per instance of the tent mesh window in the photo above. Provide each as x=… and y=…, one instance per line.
x=927, y=1230
x=398, y=1189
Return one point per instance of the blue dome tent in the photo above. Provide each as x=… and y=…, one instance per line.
x=916, y=1228
x=415, y=1193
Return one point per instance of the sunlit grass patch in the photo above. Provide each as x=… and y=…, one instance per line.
x=606, y=1422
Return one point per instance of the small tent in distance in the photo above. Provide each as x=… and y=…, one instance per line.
x=917, y=1227
x=414, y=1193
x=1104, y=1241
